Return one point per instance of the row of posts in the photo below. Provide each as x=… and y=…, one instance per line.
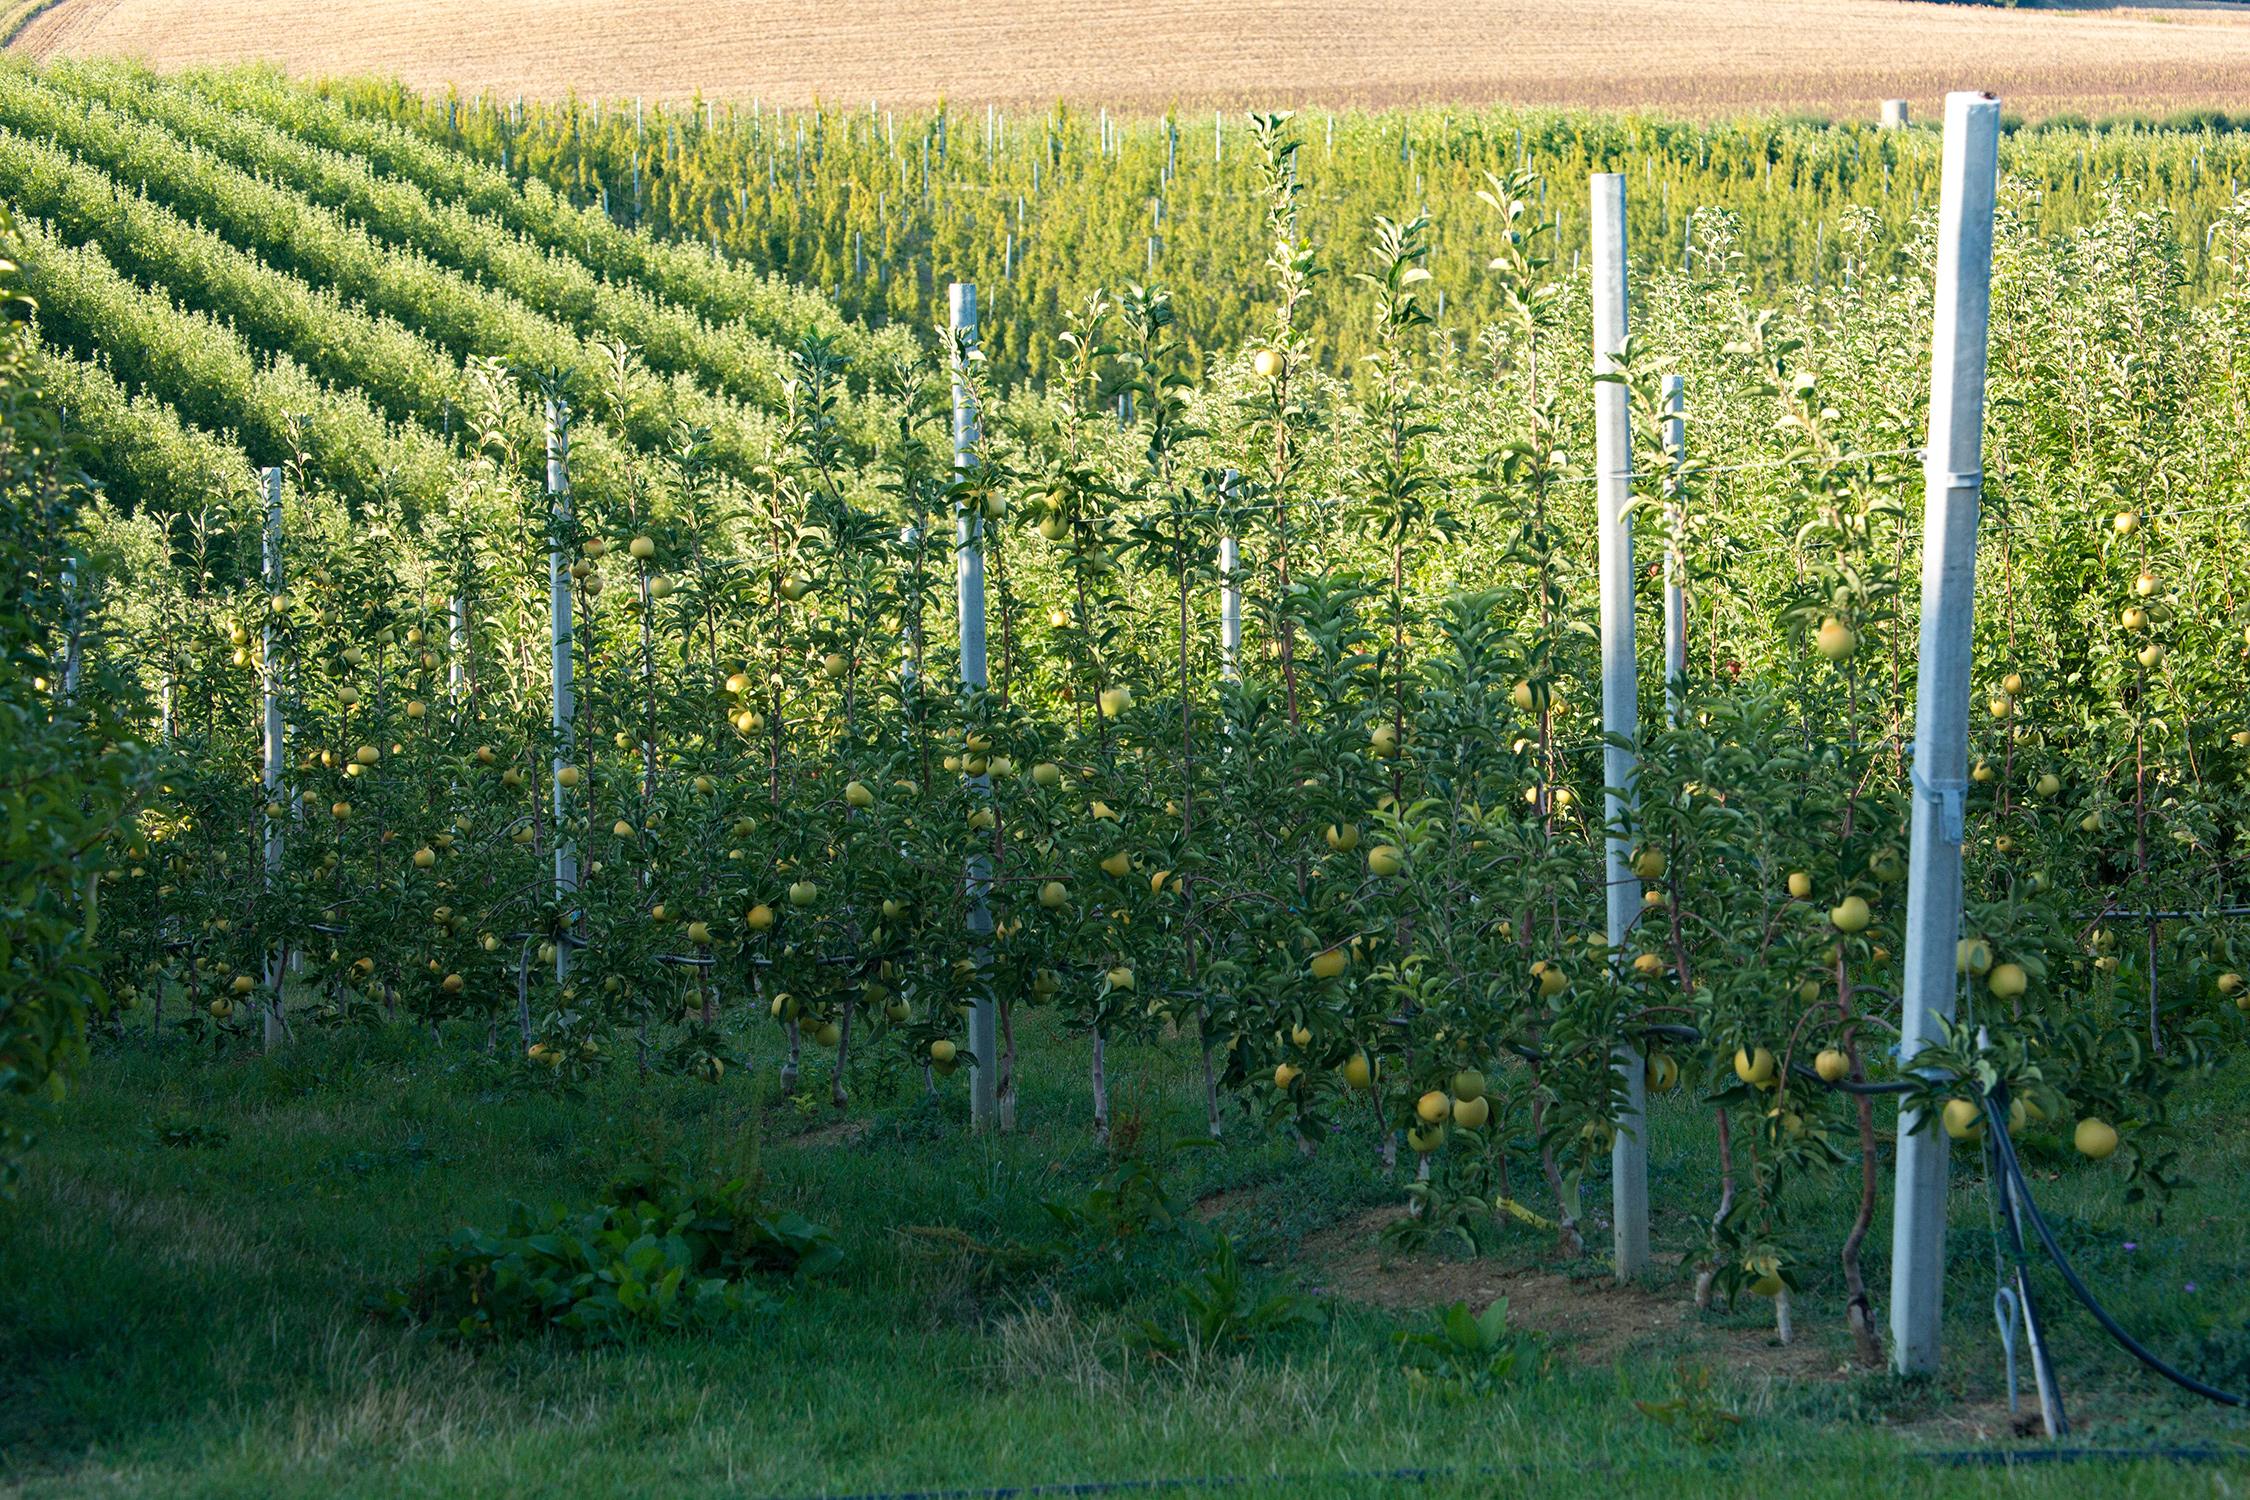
x=1952, y=494
x=1951, y=502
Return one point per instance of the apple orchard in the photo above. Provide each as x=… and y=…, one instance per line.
x=1351, y=867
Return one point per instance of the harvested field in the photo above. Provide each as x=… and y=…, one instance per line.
x=1675, y=56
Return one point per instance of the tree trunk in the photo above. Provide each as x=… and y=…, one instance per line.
x=1706, y=1272
x=1100, y=1079
x=1004, y=1087
x=1210, y=1086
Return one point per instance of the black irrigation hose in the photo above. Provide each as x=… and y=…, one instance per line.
x=1949, y=1458
x=2042, y=1365
x=2005, y=1150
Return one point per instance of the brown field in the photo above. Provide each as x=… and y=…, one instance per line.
x=1676, y=56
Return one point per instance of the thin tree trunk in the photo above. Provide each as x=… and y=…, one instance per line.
x=1100, y=1080
x=1004, y=1087
x=1210, y=1083
x=1859, y=1310
x=1710, y=1267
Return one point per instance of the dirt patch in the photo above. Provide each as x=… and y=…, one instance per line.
x=1974, y=1423
x=1226, y=1201
x=1591, y=1321
x=837, y=1133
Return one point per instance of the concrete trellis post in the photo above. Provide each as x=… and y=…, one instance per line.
x=277, y=957
x=968, y=572
x=74, y=648
x=1896, y=114
x=1675, y=568
x=1953, y=483
x=565, y=702
x=1613, y=462
x=457, y=646
x=1230, y=586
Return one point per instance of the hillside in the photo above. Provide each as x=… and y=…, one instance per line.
x=1679, y=56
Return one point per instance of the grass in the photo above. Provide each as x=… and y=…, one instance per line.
x=187, y=1317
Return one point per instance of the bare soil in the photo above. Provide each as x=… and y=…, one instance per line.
x=1694, y=57
x=1591, y=1321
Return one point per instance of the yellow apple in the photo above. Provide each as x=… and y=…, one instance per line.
x=1963, y=1119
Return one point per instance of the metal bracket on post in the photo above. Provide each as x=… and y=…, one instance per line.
x=1951, y=794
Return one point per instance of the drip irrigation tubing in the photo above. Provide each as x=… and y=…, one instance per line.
x=2005, y=1150
x=1950, y=1458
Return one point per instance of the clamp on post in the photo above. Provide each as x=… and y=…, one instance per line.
x=1951, y=797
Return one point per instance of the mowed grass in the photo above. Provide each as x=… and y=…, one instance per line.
x=190, y=1319
x=1695, y=57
